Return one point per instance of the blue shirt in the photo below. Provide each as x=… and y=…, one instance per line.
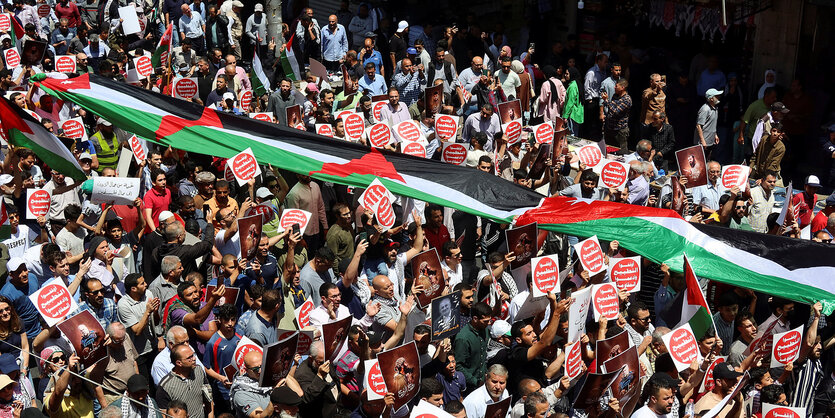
x=261, y=331
x=23, y=305
x=707, y=195
x=243, y=283
x=192, y=26
x=57, y=36
x=334, y=44
x=106, y=315
x=375, y=87
x=454, y=387
x=375, y=58
x=219, y=354
x=269, y=272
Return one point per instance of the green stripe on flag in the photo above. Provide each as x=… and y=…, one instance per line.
x=700, y=322
x=54, y=161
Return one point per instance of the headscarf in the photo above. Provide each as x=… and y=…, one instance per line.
x=46, y=354
x=517, y=67
x=766, y=84
x=94, y=243
x=506, y=50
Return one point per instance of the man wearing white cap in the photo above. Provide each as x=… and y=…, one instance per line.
x=398, y=43
x=705, y=133
x=805, y=201
x=256, y=29
x=106, y=144
x=228, y=104
x=236, y=28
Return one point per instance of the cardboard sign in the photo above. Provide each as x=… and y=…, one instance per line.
x=613, y=174
x=43, y=10
x=590, y=155
x=86, y=335
x=143, y=66
x=683, y=346
x=574, y=359
x=626, y=273
x=593, y=388
x=446, y=126
x=334, y=335
x=291, y=217
x=780, y=411
x=53, y=301
x=354, y=125
x=244, y=166
x=12, y=58
x=245, y=345
x=708, y=382
x=577, y=314
x=130, y=20
x=453, y=153
x=543, y=133
x=37, y=203
x=605, y=301
x=185, y=88
x=249, y=232
x=400, y=367
x=65, y=63
x=325, y=129
x=379, y=135
x=591, y=255
x=785, y=347
x=513, y=130
x=118, y=190
x=278, y=360
x=230, y=294
x=781, y=218
x=415, y=149
x=626, y=387
x=408, y=131
x=374, y=380
x=303, y=313
x=378, y=199
x=74, y=128
x=735, y=175
x=427, y=272
x=692, y=165
x=377, y=104
x=545, y=275
x=138, y=149
x=5, y=22
x=446, y=316
x=263, y=116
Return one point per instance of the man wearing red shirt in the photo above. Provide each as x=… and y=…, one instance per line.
x=804, y=203
x=68, y=9
x=435, y=230
x=157, y=199
x=819, y=221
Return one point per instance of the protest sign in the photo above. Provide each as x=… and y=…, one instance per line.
x=303, y=313
x=291, y=217
x=415, y=149
x=605, y=301
x=708, y=382
x=682, y=345
x=325, y=129
x=785, y=347
x=453, y=153
x=245, y=100
x=610, y=348
x=230, y=294
x=263, y=116
x=577, y=314
x=185, y=88
x=354, y=125
x=278, y=360
x=735, y=175
x=116, y=190
x=780, y=411
x=692, y=165
x=426, y=410
x=249, y=232
x=593, y=388
x=400, y=367
x=37, y=203
x=86, y=335
x=426, y=269
x=590, y=155
x=65, y=63
x=612, y=174
x=374, y=380
x=543, y=133
x=591, y=255
x=446, y=126
x=266, y=210
x=53, y=301
x=130, y=20
x=334, y=335
x=379, y=135
x=498, y=409
x=545, y=274
x=446, y=316
x=244, y=166
x=408, y=131
x=138, y=149
x=245, y=345
x=12, y=58
x=74, y=128
x=378, y=102
x=626, y=273
x=378, y=199
x=5, y=22
x=574, y=359
x=143, y=65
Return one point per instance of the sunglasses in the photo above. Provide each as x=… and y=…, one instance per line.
x=256, y=369
x=96, y=292
x=59, y=358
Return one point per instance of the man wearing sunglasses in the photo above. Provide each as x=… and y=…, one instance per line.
x=251, y=399
x=102, y=308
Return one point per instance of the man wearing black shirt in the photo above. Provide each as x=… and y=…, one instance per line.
x=216, y=96
x=397, y=44
x=523, y=361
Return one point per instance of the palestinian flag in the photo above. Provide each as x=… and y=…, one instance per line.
x=192, y=128
x=162, y=55
x=689, y=306
x=289, y=62
x=259, y=80
x=24, y=131
x=795, y=269
x=17, y=31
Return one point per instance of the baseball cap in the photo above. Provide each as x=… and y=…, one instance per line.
x=15, y=263
x=93, y=37
x=712, y=92
x=5, y=179
x=85, y=156
x=5, y=381
x=229, y=96
x=830, y=201
x=813, y=181
x=104, y=122
x=311, y=87
x=391, y=244
x=8, y=363
x=137, y=382
x=500, y=327
x=263, y=193
x=204, y=177
x=165, y=215
x=259, y=7
x=411, y=50
x=779, y=107
x=283, y=395
x=370, y=34
x=4, y=37
x=725, y=371
x=403, y=25
x=236, y=3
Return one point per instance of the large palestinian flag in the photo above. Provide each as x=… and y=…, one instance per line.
x=794, y=269
x=192, y=128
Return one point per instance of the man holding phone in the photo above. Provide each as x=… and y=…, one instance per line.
x=468, y=79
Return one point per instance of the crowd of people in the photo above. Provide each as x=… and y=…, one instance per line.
x=153, y=273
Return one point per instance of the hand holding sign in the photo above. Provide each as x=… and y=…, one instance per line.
x=37, y=203
x=591, y=255
x=545, y=275
x=244, y=166
x=682, y=346
x=785, y=348
x=735, y=175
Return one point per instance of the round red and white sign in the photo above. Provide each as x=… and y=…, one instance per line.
x=262, y=116
x=144, y=67
x=454, y=154
x=592, y=255
x=354, y=126
x=445, y=127
x=379, y=134
x=242, y=351
x=709, y=382
x=626, y=273
x=377, y=110
x=787, y=347
x=513, y=130
x=385, y=213
x=65, y=64
x=408, y=131
x=781, y=412
x=613, y=174
x=245, y=99
x=325, y=130
x=185, y=88
x=375, y=380
x=43, y=10
x=590, y=155
x=373, y=194
x=292, y=217
x=545, y=275
x=266, y=211
x=544, y=133
x=12, y=58
x=304, y=313
x=605, y=301
x=55, y=301
x=683, y=347
x=39, y=203
x=573, y=360
x=73, y=129
x=244, y=166
x=5, y=22
x=415, y=148
x=733, y=176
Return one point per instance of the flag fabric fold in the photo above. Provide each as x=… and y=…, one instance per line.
x=689, y=306
x=162, y=54
x=260, y=82
x=289, y=62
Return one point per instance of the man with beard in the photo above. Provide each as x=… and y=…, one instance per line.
x=587, y=187
x=248, y=398
x=662, y=390
x=466, y=303
x=185, y=310
x=524, y=359
x=138, y=309
x=285, y=402
x=492, y=391
x=136, y=401
x=102, y=308
x=471, y=345
x=747, y=328
x=115, y=370
x=280, y=100
x=220, y=352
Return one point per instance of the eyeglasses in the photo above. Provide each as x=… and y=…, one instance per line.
x=739, y=207
x=456, y=255
x=96, y=292
x=256, y=369
x=4, y=310
x=644, y=320
x=58, y=358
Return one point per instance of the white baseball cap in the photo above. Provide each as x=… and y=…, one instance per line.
x=259, y=7
x=229, y=96
x=5, y=179
x=813, y=181
x=500, y=327
x=403, y=25
x=15, y=263
x=263, y=193
x=104, y=122
x=712, y=92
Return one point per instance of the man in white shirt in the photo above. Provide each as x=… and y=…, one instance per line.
x=660, y=403
x=491, y=392
x=468, y=78
x=451, y=264
x=22, y=237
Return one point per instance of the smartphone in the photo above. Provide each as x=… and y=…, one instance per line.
x=82, y=146
x=206, y=210
x=664, y=78
x=296, y=229
x=568, y=293
x=485, y=72
x=532, y=46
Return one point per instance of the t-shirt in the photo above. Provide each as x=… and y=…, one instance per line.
x=311, y=280
x=645, y=412
x=71, y=241
x=706, y=118
x=20, y=241
x=520, y=367
x=219, y=354
x=23, y=305
x=157, y=202
x=230, y=246
x=509, y=82
x=120, y=368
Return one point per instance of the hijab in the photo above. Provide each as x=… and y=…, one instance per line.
x=766, y=84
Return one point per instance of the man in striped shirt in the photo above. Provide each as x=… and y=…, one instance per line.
x=186, y=383
x=220, y=352
x=808, y=370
